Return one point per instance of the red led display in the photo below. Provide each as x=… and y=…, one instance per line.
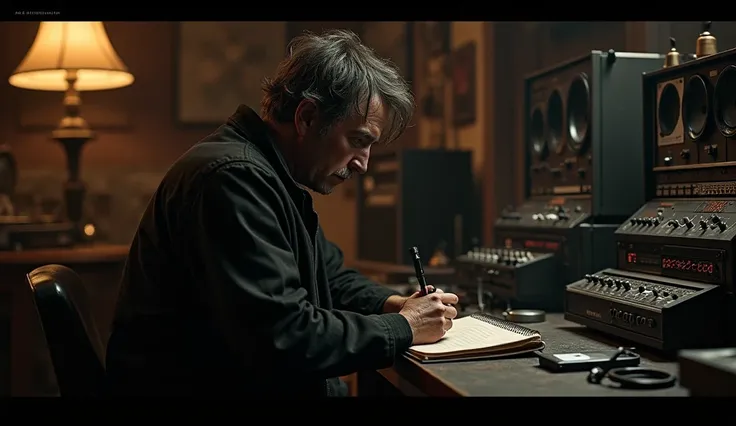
x=688, y=265
x=537, y=244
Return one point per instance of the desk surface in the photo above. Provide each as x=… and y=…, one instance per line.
x=522, y=376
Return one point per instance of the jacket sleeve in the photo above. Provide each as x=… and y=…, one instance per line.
x=351, y=290
x=254, y=293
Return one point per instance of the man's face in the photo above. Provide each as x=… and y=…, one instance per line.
x=327, y=158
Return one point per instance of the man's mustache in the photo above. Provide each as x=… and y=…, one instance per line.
x=344, y=174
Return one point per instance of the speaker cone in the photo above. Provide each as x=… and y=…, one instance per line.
x=536, y=133
x=668, y=110
x=555, y=121
x=724, y=95
x=578, y=112
x=695, y=106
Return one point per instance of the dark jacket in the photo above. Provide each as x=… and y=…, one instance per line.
x=231, y=288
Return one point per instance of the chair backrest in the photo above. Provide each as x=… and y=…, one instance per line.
x=76, y=350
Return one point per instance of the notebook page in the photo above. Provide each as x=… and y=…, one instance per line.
x=468, y=333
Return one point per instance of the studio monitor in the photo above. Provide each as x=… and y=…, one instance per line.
x=584, y=131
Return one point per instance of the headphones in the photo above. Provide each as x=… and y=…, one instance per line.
x=632, y=377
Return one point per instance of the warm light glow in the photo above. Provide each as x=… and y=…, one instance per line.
x=63, y=46
x=89, y=230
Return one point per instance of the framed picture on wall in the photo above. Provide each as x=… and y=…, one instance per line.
x=464, y=86
x=436, y=37
x=392, y=40
x=220, y=65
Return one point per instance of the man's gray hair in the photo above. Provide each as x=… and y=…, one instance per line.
x=341, y=75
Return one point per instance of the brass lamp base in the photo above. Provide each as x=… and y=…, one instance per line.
x=73, y=140
x=73, y=133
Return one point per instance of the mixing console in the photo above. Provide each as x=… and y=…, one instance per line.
x=509, y=275
x=673, y=288
x=662, y=313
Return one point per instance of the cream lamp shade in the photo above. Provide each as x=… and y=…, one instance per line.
x=63, y=48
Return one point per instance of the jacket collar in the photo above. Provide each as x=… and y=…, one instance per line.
x=249, y=124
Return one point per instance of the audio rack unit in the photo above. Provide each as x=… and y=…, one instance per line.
x=681, y=242
x=584, y=155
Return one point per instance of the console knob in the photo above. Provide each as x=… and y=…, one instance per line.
x=687, y=222
x=703, y=224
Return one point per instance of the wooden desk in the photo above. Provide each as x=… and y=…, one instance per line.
x=25, y=367
x=519, y=376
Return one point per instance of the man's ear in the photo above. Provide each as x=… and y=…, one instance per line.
x=306, y=116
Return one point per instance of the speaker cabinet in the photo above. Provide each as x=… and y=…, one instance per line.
x=416, y=197
x=584, y=131
x=692, y=117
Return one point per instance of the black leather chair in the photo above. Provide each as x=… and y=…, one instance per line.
x=76, y=350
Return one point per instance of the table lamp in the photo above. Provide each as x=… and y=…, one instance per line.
x=72, y=57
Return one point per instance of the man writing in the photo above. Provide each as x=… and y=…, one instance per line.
x=230, y=286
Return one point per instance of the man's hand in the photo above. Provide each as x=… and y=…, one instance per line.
x=429, y=316
x=394, y=304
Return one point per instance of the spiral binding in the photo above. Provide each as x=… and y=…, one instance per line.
x=503, y=324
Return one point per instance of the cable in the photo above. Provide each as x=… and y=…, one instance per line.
x=632, y=377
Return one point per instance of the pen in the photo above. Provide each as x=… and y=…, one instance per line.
x=418, y=270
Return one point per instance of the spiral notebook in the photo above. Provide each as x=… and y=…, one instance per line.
x=479, y=336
